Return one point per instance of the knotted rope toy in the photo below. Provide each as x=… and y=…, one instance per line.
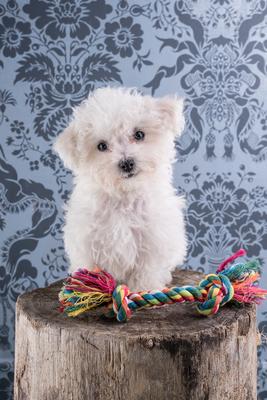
x=86, y=290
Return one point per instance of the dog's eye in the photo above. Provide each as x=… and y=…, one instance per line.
x=139, y=135
x=102, y=146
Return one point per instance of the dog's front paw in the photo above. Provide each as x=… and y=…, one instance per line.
x=149, y=281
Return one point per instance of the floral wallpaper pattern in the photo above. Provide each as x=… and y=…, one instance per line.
x=53, y=53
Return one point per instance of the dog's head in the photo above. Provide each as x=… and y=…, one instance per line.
x=121, y=138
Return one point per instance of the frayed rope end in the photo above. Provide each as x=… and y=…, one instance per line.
x=86, y=290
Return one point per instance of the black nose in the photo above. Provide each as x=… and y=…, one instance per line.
x=127, y=165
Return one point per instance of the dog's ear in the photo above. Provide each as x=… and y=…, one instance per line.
x=171, y=113
x=66, y=146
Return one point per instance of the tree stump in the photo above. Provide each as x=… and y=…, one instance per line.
x=164, y=353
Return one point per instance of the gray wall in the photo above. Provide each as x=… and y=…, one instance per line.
x=53, y=53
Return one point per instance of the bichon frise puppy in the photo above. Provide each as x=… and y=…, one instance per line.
x=124, y=215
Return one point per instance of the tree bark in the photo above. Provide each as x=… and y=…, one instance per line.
x=164, y=353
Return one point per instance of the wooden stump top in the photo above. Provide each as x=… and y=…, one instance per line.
x=178, y=320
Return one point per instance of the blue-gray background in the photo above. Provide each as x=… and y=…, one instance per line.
x=53, y=53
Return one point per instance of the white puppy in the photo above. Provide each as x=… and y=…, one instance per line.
x=123, y=214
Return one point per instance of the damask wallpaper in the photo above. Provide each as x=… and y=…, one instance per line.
x=54, y=52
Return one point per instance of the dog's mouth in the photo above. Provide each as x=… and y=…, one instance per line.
x=130, y=175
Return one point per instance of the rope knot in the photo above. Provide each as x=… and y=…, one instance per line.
x=120, y=303
x=219, y=291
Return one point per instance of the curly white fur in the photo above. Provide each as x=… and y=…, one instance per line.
x=131, y=226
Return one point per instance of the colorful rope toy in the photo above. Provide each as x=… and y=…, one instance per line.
x=86, y=290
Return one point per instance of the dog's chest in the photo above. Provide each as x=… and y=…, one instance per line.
x=119, y=228
x=121, y=218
